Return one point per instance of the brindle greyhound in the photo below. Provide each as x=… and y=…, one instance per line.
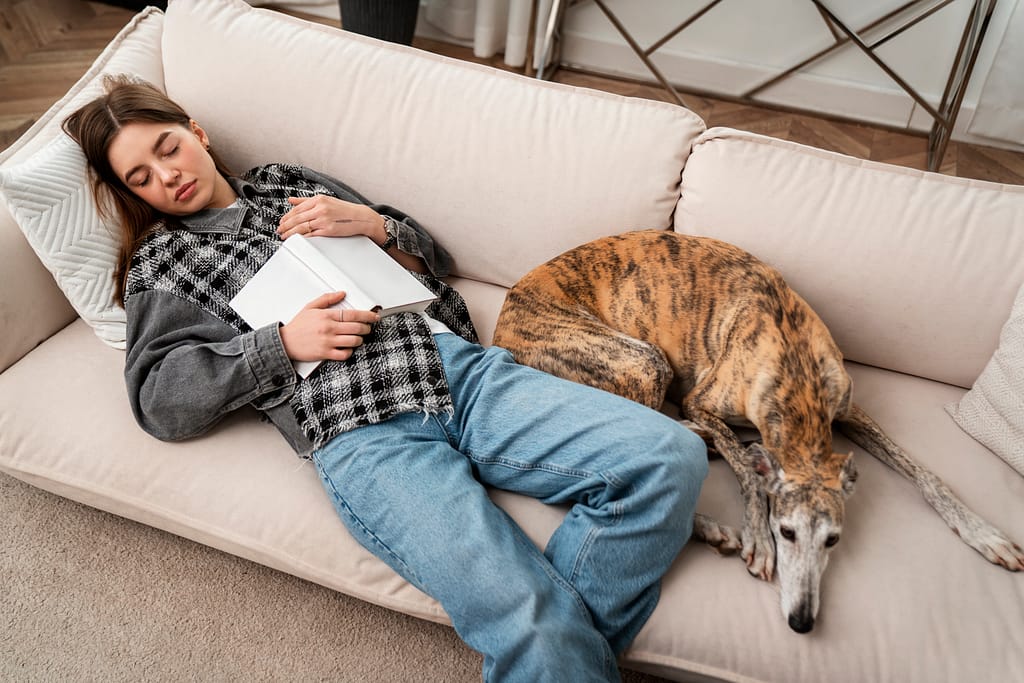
x=648, y=313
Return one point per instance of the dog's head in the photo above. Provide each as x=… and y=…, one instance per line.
x=806, y=519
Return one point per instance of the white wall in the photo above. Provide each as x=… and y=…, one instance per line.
x=741, y=43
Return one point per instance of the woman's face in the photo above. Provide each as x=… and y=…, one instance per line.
x=167, y=166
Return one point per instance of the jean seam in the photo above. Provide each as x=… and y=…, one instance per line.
x=563, y=581
x=411, y=575
x=524, y=467
x=558, y=579
x=616, y=510
x=445, y=429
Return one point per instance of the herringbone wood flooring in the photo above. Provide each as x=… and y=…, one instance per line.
x=45, y=45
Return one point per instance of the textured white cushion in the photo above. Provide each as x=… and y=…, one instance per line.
x=993, y=410
x=43, y=180
x=49, y=197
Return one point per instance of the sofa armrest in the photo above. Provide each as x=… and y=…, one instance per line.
x=32, y=308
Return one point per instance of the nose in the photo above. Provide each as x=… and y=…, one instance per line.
x=167, y=174
x=801, y=620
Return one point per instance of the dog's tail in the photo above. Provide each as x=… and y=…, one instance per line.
x=865, y=432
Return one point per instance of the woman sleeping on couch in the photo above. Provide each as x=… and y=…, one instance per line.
x=408, y=419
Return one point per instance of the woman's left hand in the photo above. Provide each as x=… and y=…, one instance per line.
x=325, y=216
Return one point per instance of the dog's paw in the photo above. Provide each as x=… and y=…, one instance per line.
x=996, y=547
x=976, y=532
x=723, y=539
x=759, y=554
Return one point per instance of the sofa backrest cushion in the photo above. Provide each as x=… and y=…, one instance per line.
x=504, y=170
x=911, y=271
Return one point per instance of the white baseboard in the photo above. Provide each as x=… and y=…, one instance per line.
x=870, y=103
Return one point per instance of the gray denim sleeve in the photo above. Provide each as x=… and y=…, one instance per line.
x=185, y=369
x=412, y=238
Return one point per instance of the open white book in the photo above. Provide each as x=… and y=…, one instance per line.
x=304, y=268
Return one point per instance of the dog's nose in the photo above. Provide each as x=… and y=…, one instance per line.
x=801, y=622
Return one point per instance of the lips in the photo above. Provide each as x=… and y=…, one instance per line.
x=185, y=191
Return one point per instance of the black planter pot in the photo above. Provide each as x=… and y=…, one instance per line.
x=392, y=20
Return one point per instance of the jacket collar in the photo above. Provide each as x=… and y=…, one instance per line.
x=226, y=221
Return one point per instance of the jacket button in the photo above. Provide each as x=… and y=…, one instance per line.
x=277, y=380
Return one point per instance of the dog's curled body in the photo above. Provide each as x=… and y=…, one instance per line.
x=640, y=313
x=655, y=314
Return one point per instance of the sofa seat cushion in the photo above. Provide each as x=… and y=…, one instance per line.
x=903, y=600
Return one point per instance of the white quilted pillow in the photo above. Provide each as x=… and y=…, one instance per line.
x=993, y=410
x=49, y=196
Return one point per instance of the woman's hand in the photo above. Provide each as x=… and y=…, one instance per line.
x=319, y=332
x=325, y=216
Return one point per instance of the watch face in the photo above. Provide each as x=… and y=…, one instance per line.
x=389, y=230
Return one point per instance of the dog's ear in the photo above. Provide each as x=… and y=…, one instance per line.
x=848, y=474
x=766, y=466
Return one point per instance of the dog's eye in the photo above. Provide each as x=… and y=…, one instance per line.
x=787, y=533
x=831, y=540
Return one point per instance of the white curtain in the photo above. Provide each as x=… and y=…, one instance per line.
x=1000, y=111
x=490, y=26
x=493, y=26
x=320, y=8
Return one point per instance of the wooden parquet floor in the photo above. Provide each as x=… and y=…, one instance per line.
x=45, y=45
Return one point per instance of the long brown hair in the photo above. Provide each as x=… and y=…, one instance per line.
x=93, y=127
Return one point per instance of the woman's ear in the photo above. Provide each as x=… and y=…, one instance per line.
x=204, y=139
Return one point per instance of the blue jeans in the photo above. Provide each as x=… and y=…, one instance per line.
x=411, y=490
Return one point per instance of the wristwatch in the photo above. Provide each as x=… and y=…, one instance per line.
x=392, y=233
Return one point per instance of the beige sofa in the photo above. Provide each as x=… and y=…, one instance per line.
x=914, y=273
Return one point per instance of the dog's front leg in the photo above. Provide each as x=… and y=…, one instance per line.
x=758, y=544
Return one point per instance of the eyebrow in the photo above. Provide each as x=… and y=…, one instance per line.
x=159, y=141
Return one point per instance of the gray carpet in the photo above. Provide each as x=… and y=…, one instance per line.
x=88, y=596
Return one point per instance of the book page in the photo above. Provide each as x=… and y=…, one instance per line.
x=277, y=292
x=382, y=281
x=304, y=268
x=333, y=277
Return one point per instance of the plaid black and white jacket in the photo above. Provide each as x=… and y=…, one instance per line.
x=192, y=360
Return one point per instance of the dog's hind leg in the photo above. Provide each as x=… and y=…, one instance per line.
x=723, y=539
x=575, y=345
x=972, y=529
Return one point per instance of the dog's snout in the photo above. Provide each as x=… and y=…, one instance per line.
x=801, y=620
